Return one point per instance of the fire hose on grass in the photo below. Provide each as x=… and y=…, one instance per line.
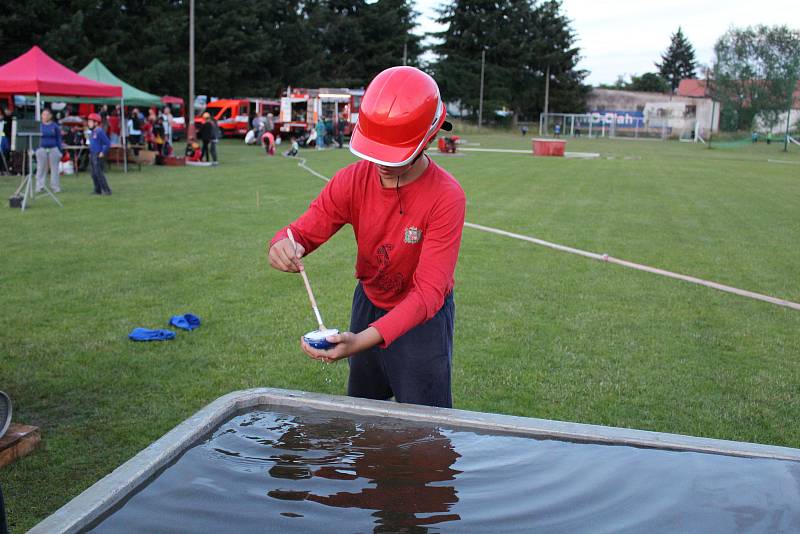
x=610, y=259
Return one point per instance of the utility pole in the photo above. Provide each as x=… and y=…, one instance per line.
x=546, y=99
x=480, y=104
x=788, y=119
x=190, y=125
x=713, y=117
x=405, y=53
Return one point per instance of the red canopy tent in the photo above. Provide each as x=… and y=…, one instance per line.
x=36, y=73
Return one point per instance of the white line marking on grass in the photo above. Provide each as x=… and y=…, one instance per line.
x=610, y=259
x=501, y=150
x=582, y=155
x=303, y=165
x=784, y=161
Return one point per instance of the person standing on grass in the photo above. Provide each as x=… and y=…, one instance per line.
x=49, y=153
x=114, y=126
x=99, y=145
x=104, y=117
x=3, y=523
x=166, y=121
x=135, y=127
x=216, y=136
x=407, y=215
x=5, y=141
x=269, y=123
x=321, y=131
x=206, y=134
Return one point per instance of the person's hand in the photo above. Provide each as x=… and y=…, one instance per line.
x=101, y=155
x=284, y=257
x=346, y=344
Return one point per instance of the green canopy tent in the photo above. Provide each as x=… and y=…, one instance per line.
x=133, y=96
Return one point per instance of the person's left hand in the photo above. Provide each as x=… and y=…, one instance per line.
x=346, y=346
x=101, y=155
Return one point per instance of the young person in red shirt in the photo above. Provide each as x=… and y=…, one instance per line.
x=407, y=215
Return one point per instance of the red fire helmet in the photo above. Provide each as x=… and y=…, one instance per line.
x=400, y=113
x=94, y=117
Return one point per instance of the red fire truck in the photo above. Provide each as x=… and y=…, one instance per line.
x=232, y=114
x=302, y=109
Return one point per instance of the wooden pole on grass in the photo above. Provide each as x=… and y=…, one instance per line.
x=123, y=130
x=713, y=116
x=546, y=99
x=190, y=125
x=788, y=125
x=480, y=104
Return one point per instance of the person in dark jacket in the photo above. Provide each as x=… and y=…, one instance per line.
x=98, y=148
x=215, y=140
x=5, y=141
x=3, y=524
x=207, y=134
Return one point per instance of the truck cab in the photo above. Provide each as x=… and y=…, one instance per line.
x=231, y=116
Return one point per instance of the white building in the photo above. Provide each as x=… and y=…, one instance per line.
x=676, y=114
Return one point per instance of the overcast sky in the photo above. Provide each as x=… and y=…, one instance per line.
x=628, y=36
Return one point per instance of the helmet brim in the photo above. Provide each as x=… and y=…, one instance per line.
x=388, y=155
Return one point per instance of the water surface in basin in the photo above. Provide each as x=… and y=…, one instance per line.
x=280, y=470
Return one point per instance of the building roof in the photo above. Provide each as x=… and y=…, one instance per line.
x=692, y=88
x=699, y=89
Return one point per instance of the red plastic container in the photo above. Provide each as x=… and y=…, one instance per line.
x=549, y=147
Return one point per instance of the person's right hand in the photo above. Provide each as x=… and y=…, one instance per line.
x=284, y=257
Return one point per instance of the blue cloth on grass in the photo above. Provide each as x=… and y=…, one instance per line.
x=187, y=321
x=145, y=334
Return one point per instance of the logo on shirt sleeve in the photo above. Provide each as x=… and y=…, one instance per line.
x=412, y=235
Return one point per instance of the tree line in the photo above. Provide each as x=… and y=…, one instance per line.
x=754, y=74
x=242, y=47
x=257, y=48
x=252, y=47
x=678, y=62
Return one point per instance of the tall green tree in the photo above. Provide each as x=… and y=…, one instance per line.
x=352, y=40
x=755, y=72
x=243, y=47
x=649, y=82
x=678, y=62
x=521, y=39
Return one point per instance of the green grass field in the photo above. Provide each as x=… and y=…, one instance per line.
x=538, y=332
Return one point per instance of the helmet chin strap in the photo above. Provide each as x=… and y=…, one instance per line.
x=399, y=198
x=399, y=176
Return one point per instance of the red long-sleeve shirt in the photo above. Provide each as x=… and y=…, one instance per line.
x=405, y=261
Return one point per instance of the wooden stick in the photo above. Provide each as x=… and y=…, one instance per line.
x=305, y=281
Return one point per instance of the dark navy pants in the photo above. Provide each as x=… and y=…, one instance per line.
x=415, y=369
x=98, y=177
x=3, y=524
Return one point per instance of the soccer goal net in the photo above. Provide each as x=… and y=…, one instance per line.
x=656, y=123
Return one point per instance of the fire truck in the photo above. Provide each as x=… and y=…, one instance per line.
x=232, y=114
x=302, y=109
